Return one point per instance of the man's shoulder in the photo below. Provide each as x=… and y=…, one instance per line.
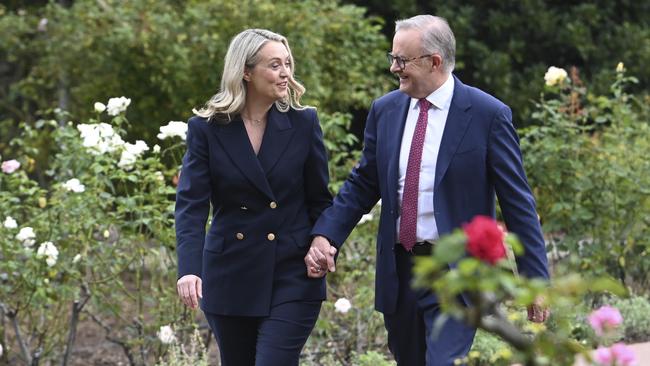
x=390, y=98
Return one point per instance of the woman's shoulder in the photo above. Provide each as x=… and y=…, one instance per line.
x=303, y=115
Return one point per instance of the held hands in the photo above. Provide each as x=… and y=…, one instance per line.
x=320, y=258
x=189, y=290
x=537, y=312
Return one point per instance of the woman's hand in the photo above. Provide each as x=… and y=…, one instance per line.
x=189, y=290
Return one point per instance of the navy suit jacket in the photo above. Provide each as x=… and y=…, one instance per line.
x=263, y=209
x=479, y=156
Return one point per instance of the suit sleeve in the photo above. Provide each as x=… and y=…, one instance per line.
x=515, y=197
x=316, y=174
x=192, y=201
x=359, y=193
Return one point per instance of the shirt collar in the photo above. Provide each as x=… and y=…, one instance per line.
x=441, y=97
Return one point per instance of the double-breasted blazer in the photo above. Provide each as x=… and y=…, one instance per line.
x=478, y=160
x=263, y=209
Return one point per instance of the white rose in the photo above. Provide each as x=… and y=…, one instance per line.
x=555, y=75
x=99, y=107
x=156, y=148
x=620, y=67
x=48, y=251
x=117, y=105
x=26, y=236
x=166, y=334
x=73, y=185
x=342, y=305
x=10, y=223
x=173, y=129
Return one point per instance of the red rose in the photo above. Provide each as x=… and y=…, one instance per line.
x=485, y=239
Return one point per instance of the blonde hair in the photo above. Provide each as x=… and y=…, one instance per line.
x=243, y=53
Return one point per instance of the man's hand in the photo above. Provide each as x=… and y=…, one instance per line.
x=537, y=311
x=320, y=258
x=189, y=290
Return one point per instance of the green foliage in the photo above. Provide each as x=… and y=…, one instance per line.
x=636, y=322
x=587, y=163
x=168, y=55
x=179, y=355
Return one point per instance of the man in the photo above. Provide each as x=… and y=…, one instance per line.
x=435, y=151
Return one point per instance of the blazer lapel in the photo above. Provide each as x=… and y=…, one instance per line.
x=394, y=122
x=277, y=137
x=236, y=144
x=458, y=120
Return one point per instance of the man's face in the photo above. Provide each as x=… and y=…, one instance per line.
x=416, y=79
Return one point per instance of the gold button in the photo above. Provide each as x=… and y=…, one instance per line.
x=271, y=236
x=240, y=236
x=273, y=204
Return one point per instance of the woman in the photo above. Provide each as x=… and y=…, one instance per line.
x=257, y=156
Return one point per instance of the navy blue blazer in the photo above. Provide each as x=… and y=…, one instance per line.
x=479, y=156
x=263, y=209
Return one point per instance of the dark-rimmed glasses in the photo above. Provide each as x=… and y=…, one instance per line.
x=401, y=61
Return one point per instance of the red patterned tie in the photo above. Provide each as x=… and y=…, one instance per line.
x=409, y=216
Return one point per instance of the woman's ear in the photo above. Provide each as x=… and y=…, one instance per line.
x=247, y=74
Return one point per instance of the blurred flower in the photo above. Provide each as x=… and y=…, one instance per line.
x=342, y=305
x=99, y=107
x=485, y=239
x=166, y=334
x=159, y=176
x=106, y=234
x=365, y=218
x=117, y=105
x=10, y=223
x=76, y=258
x=26, y=236
x=42, y=25
x=10, y=166
x=131, y=153
x=42, y=202
x=74, y=185
x=620, y=67
x=555, y=75
x=617, y=355
x=49, y=252
x=0, y=349
x=605, y=319
x=156, y=148
x=173, y=129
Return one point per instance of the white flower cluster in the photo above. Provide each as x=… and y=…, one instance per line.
x=10, y=223
x=26, y=236
x=166, y=334
x=48, y=251
x=342, y=305
x=100, y=138
x=173, y=129
x=117, y=105
x=74, y=185
x=555, y=76
x=131, y=153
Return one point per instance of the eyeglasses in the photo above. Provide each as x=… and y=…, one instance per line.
x=401, y=62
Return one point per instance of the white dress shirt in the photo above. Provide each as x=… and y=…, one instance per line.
x=440, y=101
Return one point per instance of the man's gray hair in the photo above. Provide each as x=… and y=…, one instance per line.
x=437, y=37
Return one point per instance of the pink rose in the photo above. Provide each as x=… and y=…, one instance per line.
x=617, y=355
x=623, y=355
x=605, y=319
x=485, y=239
x=10, y=166
x=603, y=356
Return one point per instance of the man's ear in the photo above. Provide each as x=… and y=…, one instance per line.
x=436, y=62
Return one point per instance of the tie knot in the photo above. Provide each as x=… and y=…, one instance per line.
x=424, y=104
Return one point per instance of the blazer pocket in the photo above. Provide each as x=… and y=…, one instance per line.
x=214, y=243
x=301, y=237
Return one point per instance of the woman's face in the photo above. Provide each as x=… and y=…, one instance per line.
x=270, y=77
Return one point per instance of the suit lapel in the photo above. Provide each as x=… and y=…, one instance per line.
x=236, y=144
x=276, y=139
x=394, y=122
x=458, y=120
